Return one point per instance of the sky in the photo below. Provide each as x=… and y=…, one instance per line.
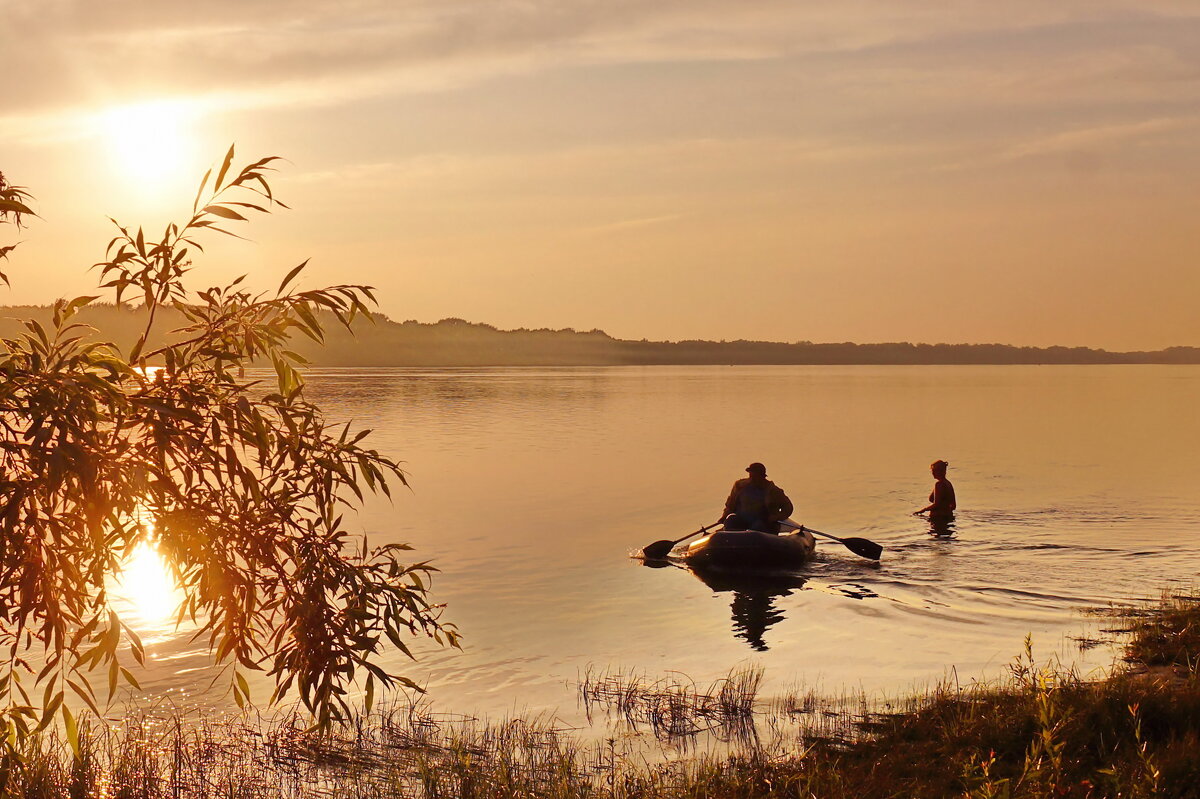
x=1007, y=171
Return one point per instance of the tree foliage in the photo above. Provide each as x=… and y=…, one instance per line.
x=240, y=483
x=13, y=210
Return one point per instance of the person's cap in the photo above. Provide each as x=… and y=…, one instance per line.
x=756, y=467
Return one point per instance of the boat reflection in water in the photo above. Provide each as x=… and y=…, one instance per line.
x=754, y=595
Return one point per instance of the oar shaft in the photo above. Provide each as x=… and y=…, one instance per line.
x=827, y=535
x=859, y=546
x=698, y=532
x=660, y=549
x=801, y=527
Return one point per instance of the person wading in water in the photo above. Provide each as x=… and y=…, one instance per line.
x=755, y=503
x=941, y=500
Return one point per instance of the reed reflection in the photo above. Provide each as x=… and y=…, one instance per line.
x=753, y=608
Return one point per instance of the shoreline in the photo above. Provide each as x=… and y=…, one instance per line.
x=453, y=342
x=1044, y=731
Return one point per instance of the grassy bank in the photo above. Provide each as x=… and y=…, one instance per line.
x=1043, y=732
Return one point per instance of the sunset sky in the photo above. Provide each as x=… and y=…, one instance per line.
x=871, y=170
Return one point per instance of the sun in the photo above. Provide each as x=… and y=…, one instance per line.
x=151, y=144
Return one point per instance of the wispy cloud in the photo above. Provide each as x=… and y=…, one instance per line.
x=1097, y=137
x=631, y=224
x=314, y=51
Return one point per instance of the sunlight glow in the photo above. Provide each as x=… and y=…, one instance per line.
x=151, y=143
x=145, y=583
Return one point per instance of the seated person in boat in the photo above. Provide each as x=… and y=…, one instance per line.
x=755, y=503
x=941, y=501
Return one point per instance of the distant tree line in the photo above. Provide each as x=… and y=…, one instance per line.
x=456, y=342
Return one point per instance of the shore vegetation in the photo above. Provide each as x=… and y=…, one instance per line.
x=1042, y=732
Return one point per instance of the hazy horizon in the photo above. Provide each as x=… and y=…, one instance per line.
x=386, y=334
x=875, y=172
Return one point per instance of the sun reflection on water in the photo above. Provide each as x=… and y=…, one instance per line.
x=145, y=586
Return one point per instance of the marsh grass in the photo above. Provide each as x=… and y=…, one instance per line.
x=1166, y=635
x=1042, y=732
x=674, y=708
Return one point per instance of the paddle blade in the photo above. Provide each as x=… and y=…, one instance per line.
x=657, y=550
x=863, y=547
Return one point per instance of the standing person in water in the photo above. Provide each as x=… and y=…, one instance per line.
x=755, y=503
x=941, y=500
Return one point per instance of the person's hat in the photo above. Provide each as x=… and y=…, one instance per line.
x=756, y=467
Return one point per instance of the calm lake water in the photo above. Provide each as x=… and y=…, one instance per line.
x=1077, y=487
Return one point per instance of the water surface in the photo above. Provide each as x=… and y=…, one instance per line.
x=530, y=487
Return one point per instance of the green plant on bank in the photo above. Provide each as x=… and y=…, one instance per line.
x=241, y=485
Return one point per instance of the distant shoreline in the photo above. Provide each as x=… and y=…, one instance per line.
x=266, y=368
x=456, y=342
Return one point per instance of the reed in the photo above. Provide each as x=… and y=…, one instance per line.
x=1042, y=732
x=674, y=708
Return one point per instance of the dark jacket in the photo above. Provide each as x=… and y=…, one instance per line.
x=777, y=505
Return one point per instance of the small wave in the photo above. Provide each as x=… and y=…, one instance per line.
x=1073, y=548
x=852, y=590
x=1017, y=592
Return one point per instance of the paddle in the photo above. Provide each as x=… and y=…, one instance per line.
x=660, y=549
x=859, y=546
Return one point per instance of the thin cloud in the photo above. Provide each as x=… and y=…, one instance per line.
x=1096, y=137
x=90, y=52
x=632, y=224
